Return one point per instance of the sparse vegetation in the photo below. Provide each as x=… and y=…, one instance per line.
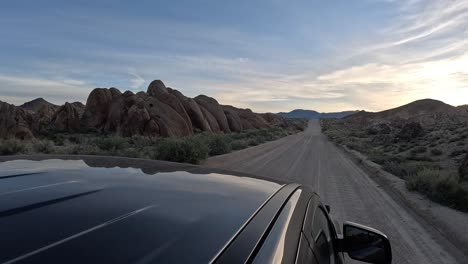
x=429, y=158
x=440, y=187
x=11, y=147
x=436, y=152
x=191, y=149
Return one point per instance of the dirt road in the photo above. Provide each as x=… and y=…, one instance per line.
x=310, y=158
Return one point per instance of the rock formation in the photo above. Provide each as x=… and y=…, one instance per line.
x=159, y=112
x=15, y=122
x=37, y=104
x=67, y=117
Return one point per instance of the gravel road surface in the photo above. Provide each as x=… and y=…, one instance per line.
x=310, y=158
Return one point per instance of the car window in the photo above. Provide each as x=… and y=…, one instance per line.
x=273, y=248
x=321, y=234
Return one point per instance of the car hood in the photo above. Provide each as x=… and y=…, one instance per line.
x=93, y=210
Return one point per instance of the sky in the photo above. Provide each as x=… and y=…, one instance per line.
x=267, y=55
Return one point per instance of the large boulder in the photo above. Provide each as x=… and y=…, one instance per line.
x=243, y=119
x=97, y=107
x=210, y=119
x=45, y=113
x=233, y=118
x=16, y=122
x=67, y=117
x=162, y=93
x=193, y=110
x=170, y=122
x=212, y=106
x=143, y=114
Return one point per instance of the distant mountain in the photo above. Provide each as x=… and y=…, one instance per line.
x=425, y=111
x=311, y=114
x=36, y=104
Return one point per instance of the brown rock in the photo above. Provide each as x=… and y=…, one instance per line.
x=213, y=107
x=67, y=118
x=210, y=119
x=245, y=119
x=15, y=122
x=193, y=110
x=233, y=118
x=45, y=113
x=36, y=104
x=169, y=121
x=164, y=95
x=98, y=106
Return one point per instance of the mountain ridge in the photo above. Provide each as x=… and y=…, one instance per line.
x=312, y=114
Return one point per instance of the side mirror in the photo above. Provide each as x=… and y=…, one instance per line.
x=366, y=244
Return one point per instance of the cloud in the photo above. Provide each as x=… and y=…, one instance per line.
x=137, y=81
x=420, y=51
x=19, y=89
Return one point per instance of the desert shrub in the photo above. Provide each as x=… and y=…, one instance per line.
x=407, y=169
x=140, y=142
x=394, y=168
x=191, y=150
x=463, y=169
x=416, y=157
x=44, y=146
x=12, y=147
x=436, y=152
x=358, y=146
x=239, y=144
x=131, y=152
x=218, y=144
x=379, y=157
x=419, y=149
x=86, y=149
x=410, y=131
x=111, y=143
x=442, y=188
x=457, y=153
x=455, y=139
x=253, y=142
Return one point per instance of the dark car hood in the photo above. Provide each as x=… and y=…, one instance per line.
x=65, y=211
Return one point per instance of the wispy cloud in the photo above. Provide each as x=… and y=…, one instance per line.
x=137, y=81
x=409, y=49
x=18, y=89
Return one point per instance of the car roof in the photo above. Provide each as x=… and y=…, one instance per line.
x=98, y=209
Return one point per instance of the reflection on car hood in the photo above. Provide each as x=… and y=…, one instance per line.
x=64, y=211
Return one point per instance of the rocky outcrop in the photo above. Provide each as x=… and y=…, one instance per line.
x=98, y=106
x=16, y=122
x=162, y=93
x=212, y=106
x=45, y=113
x=193, y=110
x=67, y=118
x=38, y=104
x=159, y=112
x=243, y=119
